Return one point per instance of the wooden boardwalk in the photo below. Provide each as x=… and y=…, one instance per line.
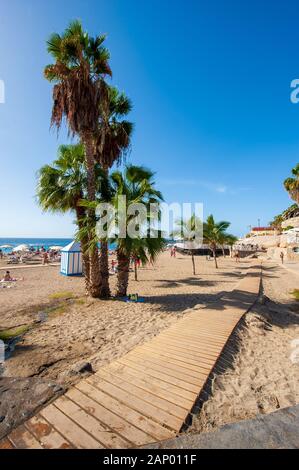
x=146, y=395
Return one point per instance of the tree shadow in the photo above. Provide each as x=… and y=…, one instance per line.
x=189, y=281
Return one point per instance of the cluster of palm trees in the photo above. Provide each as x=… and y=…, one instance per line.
x=214, y=234
x=292, y=184
x=96, y=115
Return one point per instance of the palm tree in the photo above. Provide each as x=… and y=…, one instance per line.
x=138, y=187
x=189, y=231
x=230, y=240
x=113, y=142
x=61, y=187
x=292, y=184
x=276, y=222
x=78, y=73
x=213, y=233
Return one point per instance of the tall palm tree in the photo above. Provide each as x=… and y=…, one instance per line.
x=61, y=187
x=78, y=73
x=292, y=184
x=137, y=185
x=213, y=233
x=189, y=230
x=112, y=144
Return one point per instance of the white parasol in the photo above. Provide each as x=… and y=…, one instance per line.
x=21, y=248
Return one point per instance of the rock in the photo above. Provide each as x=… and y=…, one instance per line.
x=29, y=395
x=81, y=368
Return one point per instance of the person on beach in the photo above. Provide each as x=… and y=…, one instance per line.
x=7, y=277
x=113, y=265
x=282, y=256
x=1, y=254
x=45, y=258
x=237, y=256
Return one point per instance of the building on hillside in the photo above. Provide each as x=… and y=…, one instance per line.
x=262, y=231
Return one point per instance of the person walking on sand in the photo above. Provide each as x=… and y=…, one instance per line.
x=113, y=266
x=237, y=255
x=282, y=256
x=45, y=258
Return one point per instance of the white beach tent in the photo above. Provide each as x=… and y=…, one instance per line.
x=71, y=260
x=21, y=248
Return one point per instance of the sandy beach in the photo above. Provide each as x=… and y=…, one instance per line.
x=66, y=331
x=70, y=328
x=259, y=371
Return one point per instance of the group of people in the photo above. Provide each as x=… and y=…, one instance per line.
x=134, y=261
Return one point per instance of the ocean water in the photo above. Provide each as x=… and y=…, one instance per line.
x=38, y=243
x=35, y=242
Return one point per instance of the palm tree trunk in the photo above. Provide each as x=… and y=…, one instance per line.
x=123, y=274
x=135, y=271
x=80, y=213
x=94, y=270
x=223, y=252
x=215, y=258
x=104, y=263
x=104, y=270
x=193, y=263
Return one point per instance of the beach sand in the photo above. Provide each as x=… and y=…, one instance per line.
x=255, y=374
x=259, y=371
x=79, y=329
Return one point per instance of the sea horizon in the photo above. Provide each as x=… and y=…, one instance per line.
x=34, y=242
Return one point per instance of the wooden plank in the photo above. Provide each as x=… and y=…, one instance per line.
x=185, y=347
x=6, y=444
x=186, y=381
x=70, y=430
x=132, y=388
x=195, y=342
x=137, y=403
x=176, y=394
x=198, y=335
x=157, y=358
x=203, y=356
x=21, y=438
x=205, y=362
x=89, y=423
x=188, y=387
x=178, y=360
x=46, y=434
x=177, y=369
x=125, y=419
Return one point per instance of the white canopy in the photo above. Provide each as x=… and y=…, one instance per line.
x=21, y=248
x=56, y=248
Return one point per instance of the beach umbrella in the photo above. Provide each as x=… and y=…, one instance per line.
x=5, y=246
x=56, y=248
x=21, y=248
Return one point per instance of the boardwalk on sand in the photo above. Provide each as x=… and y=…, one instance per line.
x=146, y=395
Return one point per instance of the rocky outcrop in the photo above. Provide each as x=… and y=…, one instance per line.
x=22, y=398
x=293, y=222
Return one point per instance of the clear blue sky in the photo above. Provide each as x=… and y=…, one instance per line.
x=210, y=83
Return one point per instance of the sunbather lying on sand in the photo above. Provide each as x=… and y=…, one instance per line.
x=8, y=278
